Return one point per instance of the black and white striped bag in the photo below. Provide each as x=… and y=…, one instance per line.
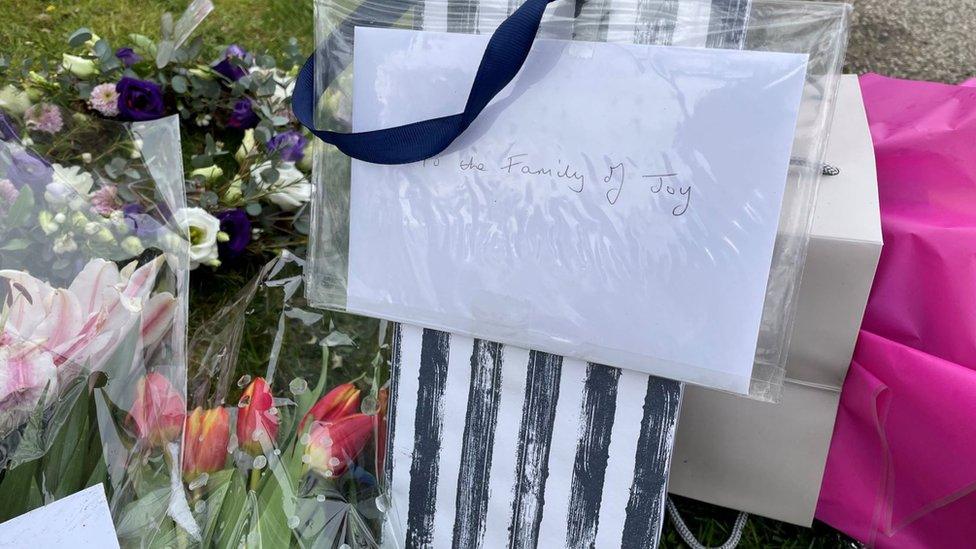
x=494, y=446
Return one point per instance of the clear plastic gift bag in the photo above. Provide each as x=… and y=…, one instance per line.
x=284, y=449
x=458, y=253
x=93, y=272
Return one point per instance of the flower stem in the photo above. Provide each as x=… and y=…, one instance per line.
x=254, y=480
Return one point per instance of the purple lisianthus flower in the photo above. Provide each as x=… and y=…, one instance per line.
x=139, y=99
x=242, y=116
x=290, y=145
x=27, y=169
x=238, y=227
x=139, y=223
x=231, y=70
x=7, y=130
x=127, y=56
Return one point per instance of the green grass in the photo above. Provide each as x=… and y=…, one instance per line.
x=32, y=27
x=40, y=29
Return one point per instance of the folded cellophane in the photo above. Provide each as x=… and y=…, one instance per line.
x=93, y=272
x=817, y=29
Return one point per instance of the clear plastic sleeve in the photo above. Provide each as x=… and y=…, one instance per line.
x=816, y=29
x=284, y=450
x=93, y=272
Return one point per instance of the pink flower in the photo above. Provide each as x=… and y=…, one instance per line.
x=158, y=411
x=104, y=201
x=8, y=195
x=44, y=117
x=71, y=328
x=26, y=372
x=105, y=99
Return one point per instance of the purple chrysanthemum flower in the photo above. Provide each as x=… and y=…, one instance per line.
x=140, y=99
x=27, y=169
x=44, y=117
x=238, y=227
x=128, y=57
x=8, y=195
x=105, y=99
x=242, y=116
x=230, y=68
x=290, y=145
x=104, y=201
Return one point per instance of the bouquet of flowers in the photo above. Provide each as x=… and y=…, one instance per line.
x=283, y=456
x=246, y=157
x=92, y=328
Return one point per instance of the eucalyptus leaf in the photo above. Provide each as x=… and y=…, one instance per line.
x=79, y=37
x=179, y=84
x=253, y=209
x=22, y=208
x=15, y=245
x=143, y=43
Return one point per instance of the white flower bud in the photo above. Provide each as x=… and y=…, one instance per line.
x=48, y=222
x=132, y=245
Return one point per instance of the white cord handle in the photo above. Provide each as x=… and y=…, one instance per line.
x=689, y=538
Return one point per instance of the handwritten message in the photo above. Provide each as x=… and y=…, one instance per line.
x=613, y=178
x=598, y=208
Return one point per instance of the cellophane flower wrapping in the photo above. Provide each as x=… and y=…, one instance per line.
x=284, y=449
x=93, y=270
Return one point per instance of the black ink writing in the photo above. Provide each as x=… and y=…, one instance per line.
x=661, y=184
x=470, y=164
x=619, y=170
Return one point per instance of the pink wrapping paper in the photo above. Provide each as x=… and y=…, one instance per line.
x=902, y=465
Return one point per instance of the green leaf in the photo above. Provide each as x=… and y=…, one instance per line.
x=75, y=449
x=143, y=513
x=144, y=43
x=103, y=50
x=15, y=245
x=253, y=209
x=20, y=490
x=217, y=488
x=233, y=515
x=201, y=160
x=180, y=84
x=276, y=504
x=79, y=37
x=22, y=208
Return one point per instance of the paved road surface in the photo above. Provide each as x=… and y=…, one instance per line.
x=919, y=39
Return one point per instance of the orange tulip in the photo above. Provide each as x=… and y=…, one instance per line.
x=205, y=442
x=257, y=420
x=158, y=411
x=338, y=403
x=332, y=446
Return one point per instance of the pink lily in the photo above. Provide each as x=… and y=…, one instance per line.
x=76, y=327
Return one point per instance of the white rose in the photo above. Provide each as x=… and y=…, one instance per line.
x=69, y=186
x=210, y=173
x=202, y=229
x=78, y=66
x=290, y=191
x=14, y=101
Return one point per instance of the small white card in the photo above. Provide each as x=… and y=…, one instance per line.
x=615, y=203
x=81, y=520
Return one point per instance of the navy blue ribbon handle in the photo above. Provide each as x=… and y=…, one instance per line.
x=503, y=58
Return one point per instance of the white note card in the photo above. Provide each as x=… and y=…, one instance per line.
x=81, y=520
x=615, y=203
